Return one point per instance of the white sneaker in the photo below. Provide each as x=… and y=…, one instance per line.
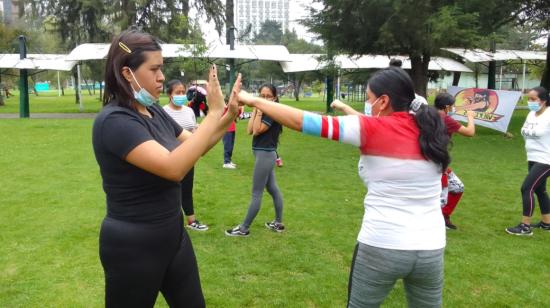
x=229, y=166
x=196, y=225
x=232, y=163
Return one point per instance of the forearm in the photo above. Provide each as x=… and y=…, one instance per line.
x=282, y=114
x=471, y=127
x=188, y=153
x=257, y=123
x=224, y=124
x=346, y=109
x=250, y=123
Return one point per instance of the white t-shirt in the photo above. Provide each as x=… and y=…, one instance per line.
x=185, y=117
x=402, y=206
x=536, y=131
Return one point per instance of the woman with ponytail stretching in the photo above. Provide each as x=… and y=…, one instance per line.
x=403, y=152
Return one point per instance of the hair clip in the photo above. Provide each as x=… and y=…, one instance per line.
x=417, y=102
x=124, y=47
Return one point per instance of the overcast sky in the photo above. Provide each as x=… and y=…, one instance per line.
x=297, y=11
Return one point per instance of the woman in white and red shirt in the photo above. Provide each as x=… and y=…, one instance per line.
x=536, y=131
x=403, y=151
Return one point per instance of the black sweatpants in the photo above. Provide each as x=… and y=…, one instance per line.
x=535, y=182
x=141, y=259
x=187, y=193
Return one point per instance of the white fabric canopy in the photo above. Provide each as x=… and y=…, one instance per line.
x=37, y=62
x=247, y=52
x=479, y=55
x=310, y=62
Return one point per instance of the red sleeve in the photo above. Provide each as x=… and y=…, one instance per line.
x=452, y=125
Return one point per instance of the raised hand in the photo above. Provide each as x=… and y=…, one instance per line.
x=338, y=105
x=233, y=104
x=215, y=95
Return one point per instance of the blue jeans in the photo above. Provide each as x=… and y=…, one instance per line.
x=228, y=143
x=375, y=270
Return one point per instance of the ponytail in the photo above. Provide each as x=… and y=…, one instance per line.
x=398, y=85
x=433, y=139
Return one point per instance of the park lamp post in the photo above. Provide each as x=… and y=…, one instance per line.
x=23, y=81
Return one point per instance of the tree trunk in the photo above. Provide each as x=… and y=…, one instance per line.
x=330, y=92
x=297, y=85
x=88, y=86
x=456, y=78
x=545, y=81
x=34, y=86
x=76, y=86
x=492, y=72
x=419, y=73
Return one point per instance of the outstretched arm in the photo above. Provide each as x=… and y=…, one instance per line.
x=345, y=129
x=282, y=114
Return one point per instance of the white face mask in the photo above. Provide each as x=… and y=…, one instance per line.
x=368, y=107
x=452, y=111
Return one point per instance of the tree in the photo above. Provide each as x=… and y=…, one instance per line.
x=536, y=13
x=416, y=28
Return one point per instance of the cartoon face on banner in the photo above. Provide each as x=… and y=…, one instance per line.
x=483, y=102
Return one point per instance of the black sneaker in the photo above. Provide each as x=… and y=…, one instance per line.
x=237, y=232
x=449, y=225
x=521, y=229
x=275, y=226
x=542, y=225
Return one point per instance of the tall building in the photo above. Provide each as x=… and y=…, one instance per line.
x=255, y=12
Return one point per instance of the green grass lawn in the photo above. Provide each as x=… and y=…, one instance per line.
x=52, y=204
x=50, y=102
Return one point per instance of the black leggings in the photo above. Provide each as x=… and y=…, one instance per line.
x=187, y=193
x=141, y=259
x=535, y=182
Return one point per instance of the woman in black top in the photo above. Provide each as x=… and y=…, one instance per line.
x=264, y=144
x=143, y=155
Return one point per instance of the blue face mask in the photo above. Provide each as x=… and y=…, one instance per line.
x=179, y=100
x=533, y=106
x=143, y=96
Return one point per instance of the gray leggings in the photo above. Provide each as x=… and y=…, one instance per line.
x=375, y=270
x=264, y=177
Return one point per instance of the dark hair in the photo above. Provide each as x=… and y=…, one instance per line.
x=172, y=84
x=398, y=86
x=127, y=49
x=271, y=88
x=396, y=62
x=542, y=93
x=443, y=100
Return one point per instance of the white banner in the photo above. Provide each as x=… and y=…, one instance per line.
x=493, y=108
